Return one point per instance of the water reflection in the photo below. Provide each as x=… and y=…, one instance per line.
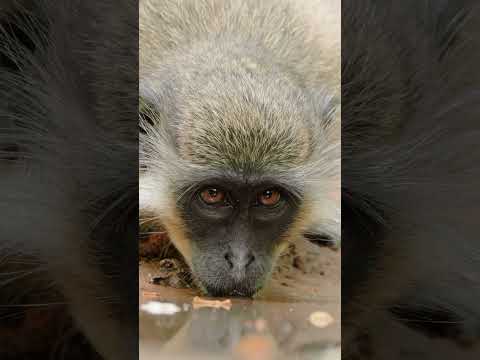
x=249, y=330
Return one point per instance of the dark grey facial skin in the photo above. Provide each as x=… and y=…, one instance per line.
x=233, y=241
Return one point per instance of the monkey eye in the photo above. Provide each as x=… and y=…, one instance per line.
x=212, y=196
x=269, y=197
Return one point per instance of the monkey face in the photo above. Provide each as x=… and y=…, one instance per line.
x=235, y=229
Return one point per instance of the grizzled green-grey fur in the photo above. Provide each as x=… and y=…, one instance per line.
x=241, y=87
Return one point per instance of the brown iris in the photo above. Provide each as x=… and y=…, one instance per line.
x=212, y=196
x=269, y=197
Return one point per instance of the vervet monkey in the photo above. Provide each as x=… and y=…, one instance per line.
x=240, y=143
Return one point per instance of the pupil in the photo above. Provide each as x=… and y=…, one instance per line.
x=212, y=192
x=268, y=194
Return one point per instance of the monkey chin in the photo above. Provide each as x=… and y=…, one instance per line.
x=224, y=284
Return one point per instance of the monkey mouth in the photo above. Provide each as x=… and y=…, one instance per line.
x=230, y=292
x=219, y=281
x=246, y=287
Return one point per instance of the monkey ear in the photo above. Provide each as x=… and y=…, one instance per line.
x=327, y=221
x=326, y=211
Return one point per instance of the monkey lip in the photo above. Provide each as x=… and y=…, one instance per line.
x=233, y=287
x=231, y=292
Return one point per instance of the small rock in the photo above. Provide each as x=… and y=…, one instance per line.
x=320, y=319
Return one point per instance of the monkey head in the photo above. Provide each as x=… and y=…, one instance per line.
x=239, y=143
x=234, y=180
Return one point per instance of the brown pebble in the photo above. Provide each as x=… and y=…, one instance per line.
x=298, y=263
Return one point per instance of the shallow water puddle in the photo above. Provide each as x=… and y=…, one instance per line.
x=297, y=316
x=176, y=325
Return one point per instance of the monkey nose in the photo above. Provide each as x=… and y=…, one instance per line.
x=237, y=260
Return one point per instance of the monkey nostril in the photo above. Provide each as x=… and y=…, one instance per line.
x=240, y=262
x=250, y=260
x=228, y=258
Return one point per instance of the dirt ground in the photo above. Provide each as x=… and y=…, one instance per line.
x=277, y=324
